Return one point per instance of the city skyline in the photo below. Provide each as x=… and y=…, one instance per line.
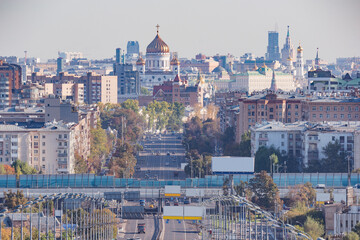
x=43, y=28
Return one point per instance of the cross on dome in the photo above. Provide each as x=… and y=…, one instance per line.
x=157, y=28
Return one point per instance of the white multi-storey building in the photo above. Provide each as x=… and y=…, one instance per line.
x=306, y=141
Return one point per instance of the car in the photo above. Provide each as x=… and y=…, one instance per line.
x=168, y=153
x=167, y=203
x=186, y=201
x=167, y=164
x=176, y=203
x=321, y=186
x=357, y=185
x=173, y=153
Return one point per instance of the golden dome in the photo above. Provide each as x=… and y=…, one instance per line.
x=174, y=61
x=157, y=46
x=299, y=49
x=140, y=61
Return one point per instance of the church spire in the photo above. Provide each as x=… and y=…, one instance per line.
x=273, y=86
x=317, y=59
x=288, y=31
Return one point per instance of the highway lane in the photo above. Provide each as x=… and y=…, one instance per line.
x=180, y=230
x=161, y=158
x=131, y=228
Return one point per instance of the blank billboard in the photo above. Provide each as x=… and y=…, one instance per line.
x=232, y=165
x=172, y=191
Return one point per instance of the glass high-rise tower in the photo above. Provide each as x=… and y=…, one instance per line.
x=273, y=46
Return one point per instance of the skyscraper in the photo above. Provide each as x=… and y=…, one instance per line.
x=60, y=65
x=273, y=46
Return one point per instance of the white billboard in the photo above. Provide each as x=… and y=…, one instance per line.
x=173, y=212
x=193, y=213
x=184, y=212
x=232, y=165
x=172, y=191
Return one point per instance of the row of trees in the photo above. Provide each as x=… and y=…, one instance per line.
x=335, y=160
x=164, y=115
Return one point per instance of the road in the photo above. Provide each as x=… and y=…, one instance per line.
x=179, y=230
x=161, y=158
x=131, y=228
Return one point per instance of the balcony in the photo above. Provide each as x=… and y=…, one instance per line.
x=62, y=155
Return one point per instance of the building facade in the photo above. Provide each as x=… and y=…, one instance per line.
x=10, y=82
x=128, y=82
x=178, y=91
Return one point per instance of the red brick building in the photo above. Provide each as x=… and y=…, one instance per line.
x=178, y=91
x=10, y=82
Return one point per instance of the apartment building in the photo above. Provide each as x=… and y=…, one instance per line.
x=91, y=88
x=10, y=81
x=306, y=141
x=290, y=108
x=66, y=91
x=49, y=149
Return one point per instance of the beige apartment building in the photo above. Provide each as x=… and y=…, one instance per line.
x=64, y=91
x=49, y=149
x=91, y=88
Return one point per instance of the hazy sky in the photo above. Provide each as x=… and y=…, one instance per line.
x=97, y=27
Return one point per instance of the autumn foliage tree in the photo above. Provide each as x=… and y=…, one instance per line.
x=265, y=191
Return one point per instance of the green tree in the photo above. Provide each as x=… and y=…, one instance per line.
x=262, y=158
x=357, y=228
x=145, y=91
x=265, y=191
x=335, y=159
x=131, y=104
x=313, y=228
x=80, y=164
x=351, y=236
x=23, y=168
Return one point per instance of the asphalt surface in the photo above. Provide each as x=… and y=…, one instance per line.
x=161, y=158
x=179, y=230
x=131, y=228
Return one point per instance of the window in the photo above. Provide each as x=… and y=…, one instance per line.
x=43, y=159
x=282, y=144
x=314, y=108
x=342, y=108
x=341, y=115
x=43, y=136
x=335, y=115
x=349, y=116
x=320, y=108
x=289, y=106
x=60, y=136
x=296, y=106
x=43, y=143
x=282, y=135
x=327, y=108
x=290, y=136
x=349, y=108
x=271, y=109
x=36, y=151
x=65, y=135
x=43, y=151
x=314, y=115
x=60, y=143
x=342, y=139
x=335, y=108
x=327, y=115
x=320, y=115
x=36, y=137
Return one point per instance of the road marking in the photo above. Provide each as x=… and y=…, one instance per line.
x=184, y=229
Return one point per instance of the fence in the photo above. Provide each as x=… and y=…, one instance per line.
x=92, y=181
